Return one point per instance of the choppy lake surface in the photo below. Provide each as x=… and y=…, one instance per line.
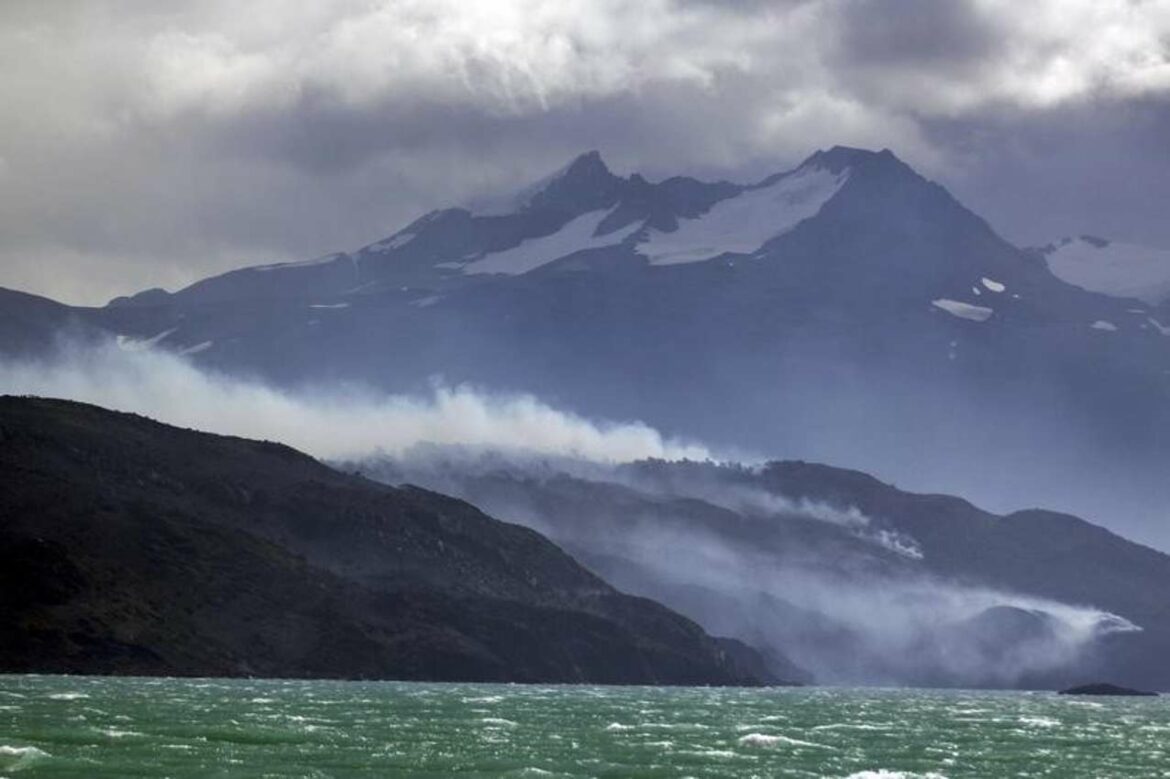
x=99, y=727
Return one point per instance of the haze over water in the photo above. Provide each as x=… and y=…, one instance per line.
x=106, y=727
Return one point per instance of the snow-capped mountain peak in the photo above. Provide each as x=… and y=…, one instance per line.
x=584, y=206
x=583, y=216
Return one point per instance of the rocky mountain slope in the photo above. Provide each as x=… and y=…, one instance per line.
x=127, y=546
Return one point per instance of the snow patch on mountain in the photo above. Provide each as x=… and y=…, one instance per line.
x=963, y=310
x=744, y=223
x=1117, y=269
x=576, y=235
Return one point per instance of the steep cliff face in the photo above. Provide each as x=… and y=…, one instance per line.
x=127, y=546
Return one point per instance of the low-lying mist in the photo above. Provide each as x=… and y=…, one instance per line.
x=326, y=421
x=821, y=587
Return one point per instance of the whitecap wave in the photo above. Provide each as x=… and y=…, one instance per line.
x=882, y=773
x=19, y=758
x=771, y=740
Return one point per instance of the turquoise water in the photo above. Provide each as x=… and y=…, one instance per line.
x=98, y=727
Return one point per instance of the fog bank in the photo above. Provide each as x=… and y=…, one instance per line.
x=326, y=421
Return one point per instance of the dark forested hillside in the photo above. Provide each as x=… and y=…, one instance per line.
x=127, y=546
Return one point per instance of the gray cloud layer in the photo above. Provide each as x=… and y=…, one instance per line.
x=150, y=143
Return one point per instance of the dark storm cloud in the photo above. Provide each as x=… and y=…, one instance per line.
x=148, y=143
x=1100, y=167
x=952, y=36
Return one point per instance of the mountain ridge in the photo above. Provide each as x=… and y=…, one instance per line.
x=852, y=578
x=866, y=318
x=585, y=184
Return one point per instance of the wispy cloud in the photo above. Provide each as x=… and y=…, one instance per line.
x=328, y=422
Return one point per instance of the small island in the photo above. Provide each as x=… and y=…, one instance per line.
x=1102, y=688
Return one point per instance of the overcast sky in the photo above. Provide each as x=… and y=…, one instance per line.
x=152, y=142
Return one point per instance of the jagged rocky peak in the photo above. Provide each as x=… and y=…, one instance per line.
x=585, y=184
x=586, y=166
x=840, y=158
